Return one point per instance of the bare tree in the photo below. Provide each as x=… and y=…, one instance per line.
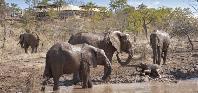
x=2, y=20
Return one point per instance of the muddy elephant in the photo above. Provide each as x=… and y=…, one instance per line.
x=108, y=41
x=159, y=42
x=153, y=70
x=28, y=39
x=64, y=58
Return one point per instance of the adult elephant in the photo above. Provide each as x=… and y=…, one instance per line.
x=64, y=58
x=108, y=41
x=159, y=41
x=28, y=39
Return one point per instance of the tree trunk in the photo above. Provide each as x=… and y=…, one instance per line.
x=4, y=35
x=145, y=28
x=190, y=41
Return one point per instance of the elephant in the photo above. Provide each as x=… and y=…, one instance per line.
x=152, y=70
x=64, y=58
x=110, y=42
x=28, y=39
x=159, y=42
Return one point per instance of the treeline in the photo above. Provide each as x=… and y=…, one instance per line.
x=121, y=16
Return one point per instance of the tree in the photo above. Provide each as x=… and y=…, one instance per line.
x=58, y=3
x=2, y=20
x=162, y=18
x=117, y=5
x=29, y=3
x=184, y=25
x=146, y=16
x=89, y=8
x=44, y=2
x=15, y=9
x=2, y=10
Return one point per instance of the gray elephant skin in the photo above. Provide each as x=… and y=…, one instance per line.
x=64, y=58
x=108, y=41
x=159, y=41
x=28, y=39
x=153, y=70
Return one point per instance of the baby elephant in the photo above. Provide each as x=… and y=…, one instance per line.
x=28, y=39
x=149, y=69
x=64, y=58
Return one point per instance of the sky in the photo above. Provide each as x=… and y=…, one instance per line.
x=149, y=3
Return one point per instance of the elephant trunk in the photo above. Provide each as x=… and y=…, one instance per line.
x=130, y=53
x=107, y=71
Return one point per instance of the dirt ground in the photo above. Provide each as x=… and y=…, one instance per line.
x=20, y=72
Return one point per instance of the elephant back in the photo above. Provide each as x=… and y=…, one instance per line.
x=85, y=37
x=164, y=38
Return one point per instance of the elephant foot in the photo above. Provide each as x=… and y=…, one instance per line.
x=84, y=86
x=107, y=79
x=158, y=64
x=42, y=88
x=55, y=88
x=90, y=84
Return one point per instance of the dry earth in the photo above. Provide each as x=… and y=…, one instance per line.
x=20, y=72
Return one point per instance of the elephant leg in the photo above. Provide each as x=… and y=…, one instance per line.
x=85, y=73
x=164, y=58
x=158, y=55
x=22, y=45
x=35, y=49
x=32, y=49
x=44, y=83
x=85, y=82
x=90, y=85
x=26, y=49
x=162, y=54
x=56, y=80
x=105, y=71
x=154, y=56
x=76, y=78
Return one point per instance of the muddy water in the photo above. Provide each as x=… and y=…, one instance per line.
x=187, y=86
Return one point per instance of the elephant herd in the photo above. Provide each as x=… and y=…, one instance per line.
x=87, y=49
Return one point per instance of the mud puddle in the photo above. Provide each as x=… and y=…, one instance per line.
x=186, y=86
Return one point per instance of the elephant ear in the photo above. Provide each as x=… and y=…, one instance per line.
x=90, y=54
x=94, y=57
x=115, y=39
